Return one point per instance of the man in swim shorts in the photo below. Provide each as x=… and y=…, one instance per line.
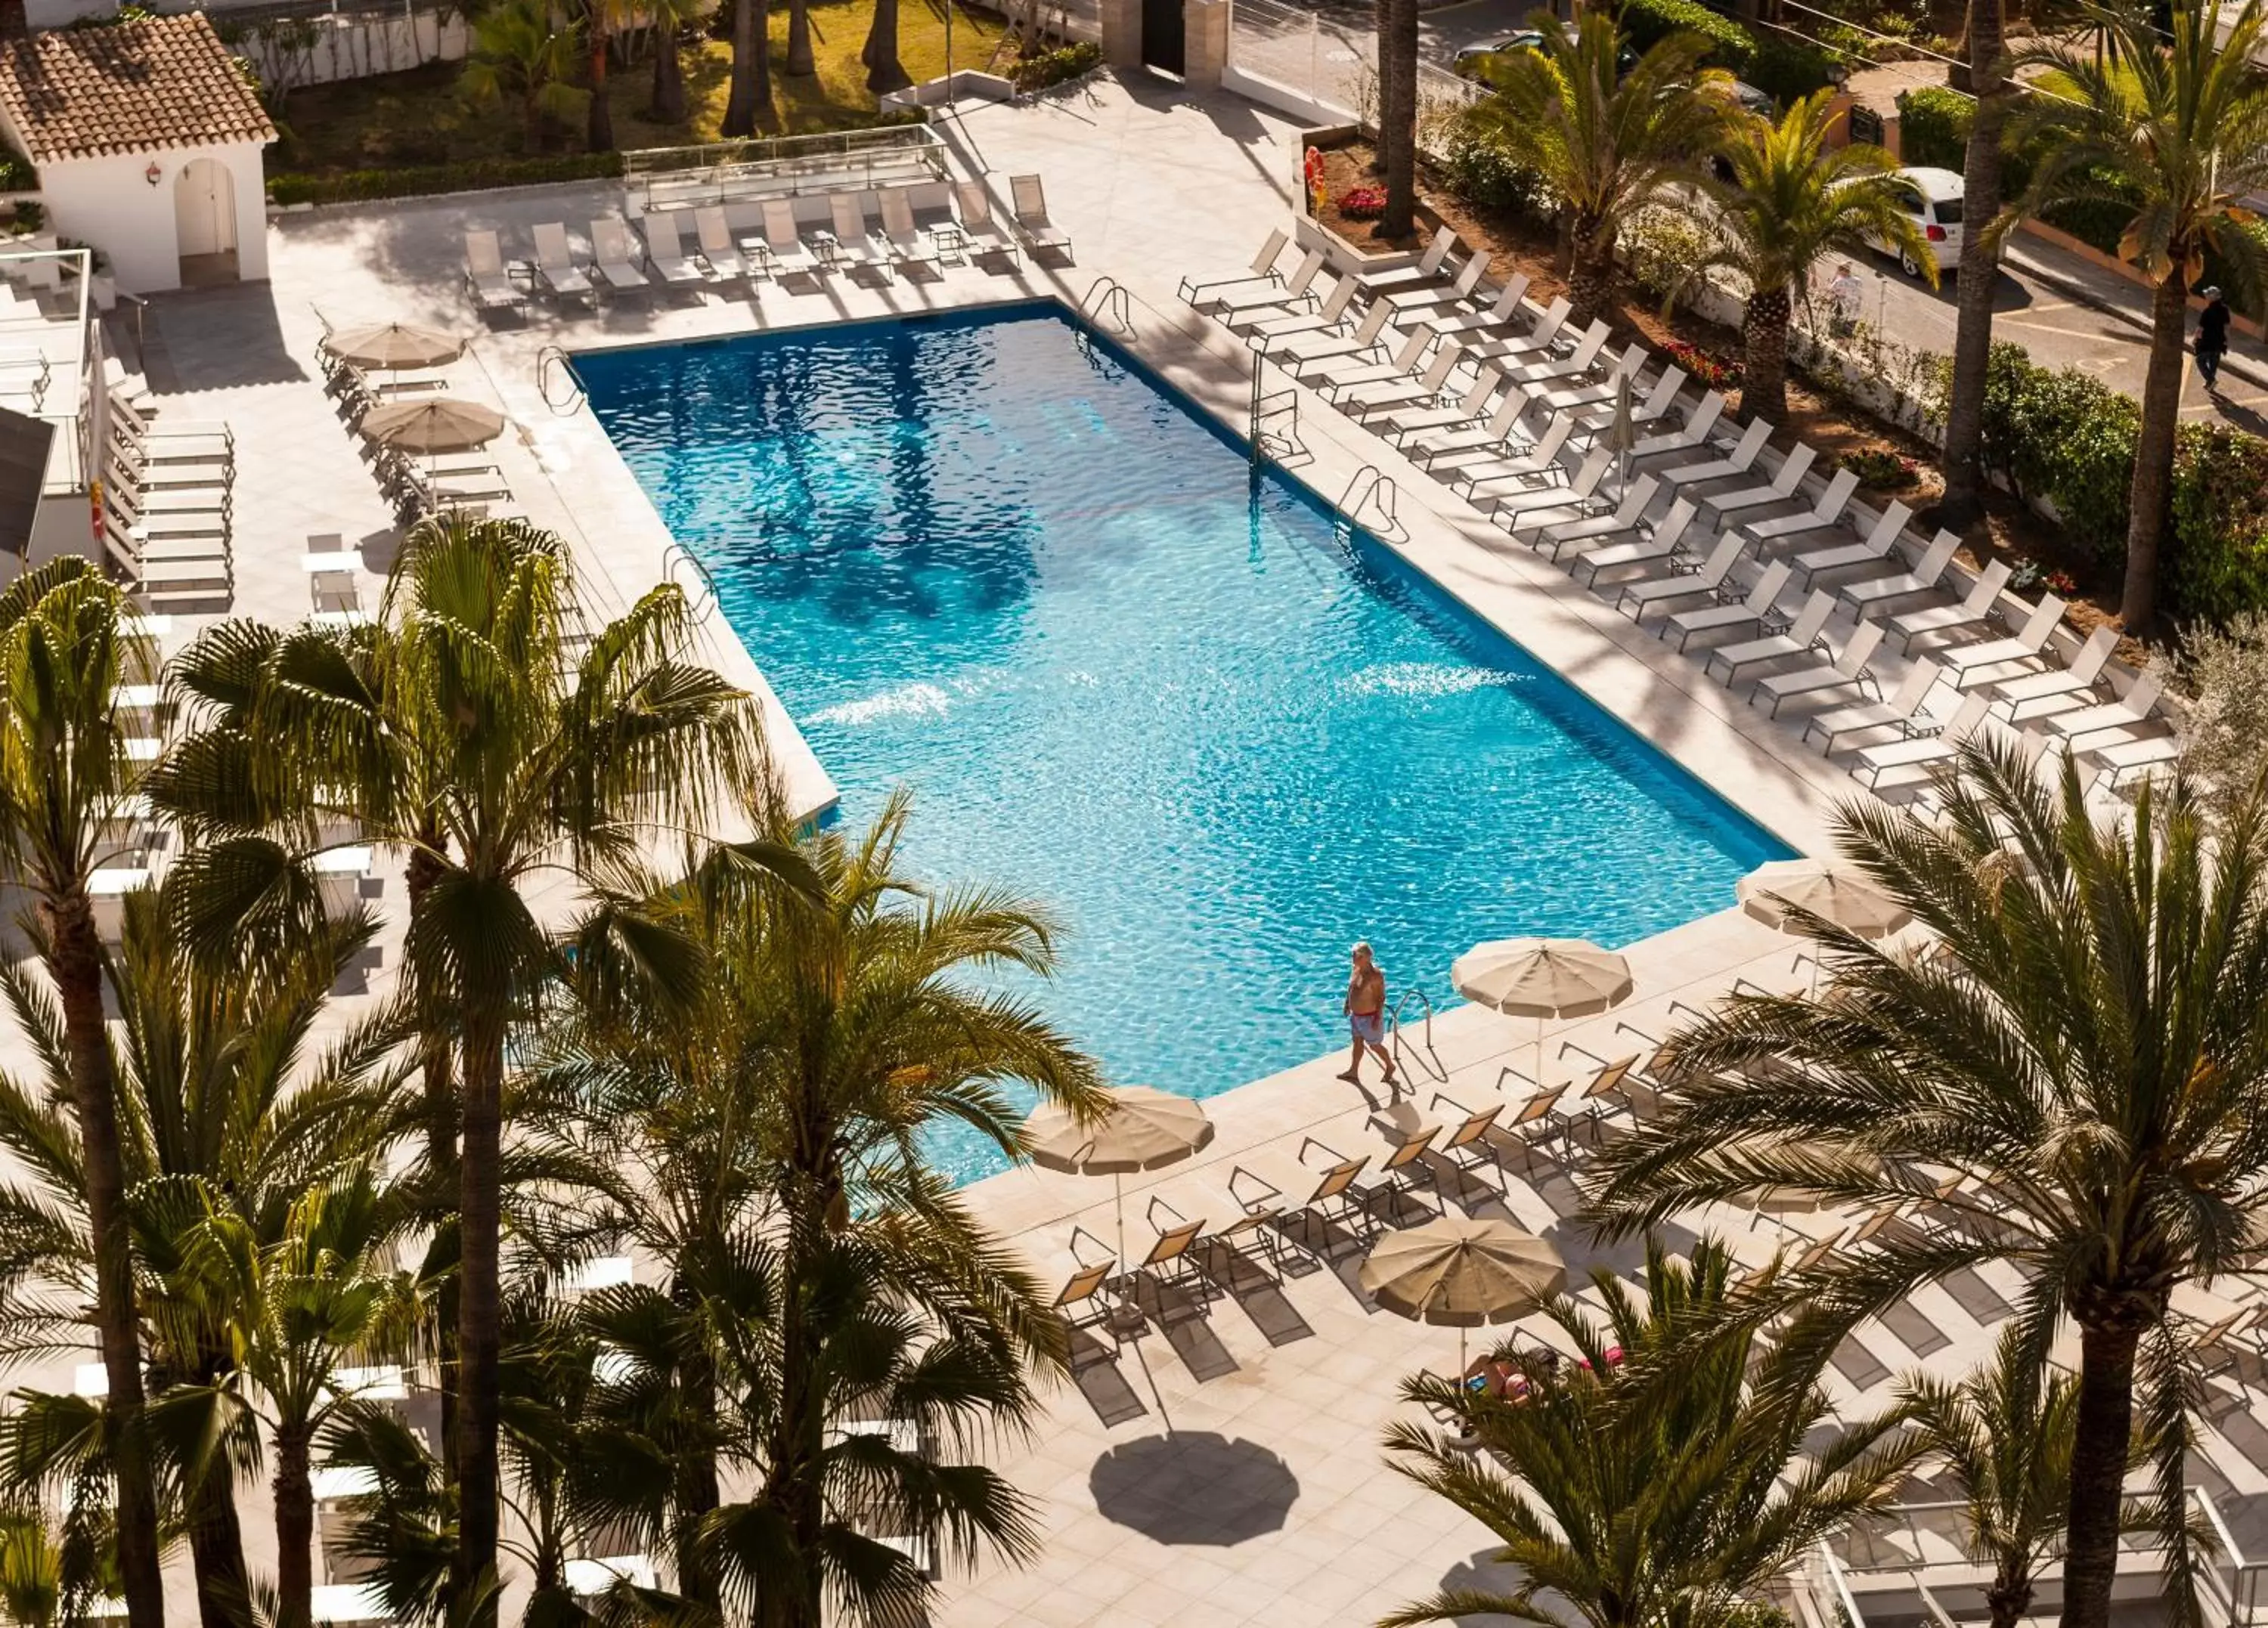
x=1365, y=1010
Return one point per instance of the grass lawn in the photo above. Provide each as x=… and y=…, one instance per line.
x=417, y=118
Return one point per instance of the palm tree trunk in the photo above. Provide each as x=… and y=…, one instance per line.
x=599, y=132
x=697, y=1494
x=884, y=72
x=479, y=1307
x=1398, y=114
x=2098, y=1472
x=668, y=80
x=436, y=1076
x=216, y=1535
x=799, y=61
x=2008, y=1598
x=1591, y=270
x=748, y=46
x=75, y=962
x=1963, y=502
x=1764, y=388
x=2154, y=453
x=295, y=1529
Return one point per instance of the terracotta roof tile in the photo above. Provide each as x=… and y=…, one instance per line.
x=131, y=87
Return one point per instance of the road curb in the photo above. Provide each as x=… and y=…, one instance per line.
x=2063, y=281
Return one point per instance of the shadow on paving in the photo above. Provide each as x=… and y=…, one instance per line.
x=222, y=338
x=1195, y=1487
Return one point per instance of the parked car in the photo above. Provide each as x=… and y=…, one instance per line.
x=1932, y=197
x=1472, y=61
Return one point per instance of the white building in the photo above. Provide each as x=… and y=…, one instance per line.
x=147, y=140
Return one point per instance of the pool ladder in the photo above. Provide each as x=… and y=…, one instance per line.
x=1410, y=1062
x=1371, y=489
x=1108, y=303
x=1275, y=420
x=551, y=362
x=701, y=593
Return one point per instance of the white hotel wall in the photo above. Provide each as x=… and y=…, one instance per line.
x=110, y=203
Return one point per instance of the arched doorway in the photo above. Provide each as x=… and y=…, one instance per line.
x=204, y=215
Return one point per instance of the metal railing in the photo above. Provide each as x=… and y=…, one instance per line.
x=1336, y=65
x=665, y=178
x=1107, y=302
x=552, y=363
x=1372, y=488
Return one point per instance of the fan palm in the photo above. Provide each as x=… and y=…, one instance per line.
x=470, y=714
x=1661, y=1488
x=2087, y=1056
x=2004, y=1435
x=66, y=772
x=2174, y=128
x=519, y=52
x=1608, y=143
x=1791, y=198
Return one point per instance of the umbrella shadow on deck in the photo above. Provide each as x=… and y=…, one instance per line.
x=1195, y=1487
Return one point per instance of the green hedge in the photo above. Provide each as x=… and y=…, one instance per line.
x=1788, y=70
x=1934, y=127
x=2217, y=563
x=1644, y=22
x=474, y=175
x=1481, y=173
x=1037, y=73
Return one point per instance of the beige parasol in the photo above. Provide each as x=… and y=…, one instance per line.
x=1834, y=892
x=1460, y=1271
x=1142, y=1130
x=393, y=345
x=1621, y=435
x=437, y=425
x=1542, y=978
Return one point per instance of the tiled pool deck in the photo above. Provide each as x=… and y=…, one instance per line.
x=1226, y=1470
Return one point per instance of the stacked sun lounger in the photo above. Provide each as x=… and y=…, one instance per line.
x=167, y=497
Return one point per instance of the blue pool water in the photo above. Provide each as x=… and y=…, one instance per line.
x=990, y=560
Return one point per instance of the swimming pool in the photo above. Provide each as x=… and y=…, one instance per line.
x=988, y=558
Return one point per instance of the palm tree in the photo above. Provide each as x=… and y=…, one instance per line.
x=1397, y=114
x=556, y=761
x=2085, y=1054
x=1664, y=1488
x=519, y=52
x=750, y=99
x=816, y=1271
x=65, y=773
x=885, y=72
x=2005, y=1435
x=670, y=20
x=1980, y=268
x=1608, y=143
x=1791, y=199
x=2175, y=128
x=601, y=19
x=799, y=61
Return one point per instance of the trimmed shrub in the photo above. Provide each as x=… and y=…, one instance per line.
x=1934, y=127
x=1788, y=70
x=2066, y=436
x=474, y=175
x=2216, y=564
x=1480, y=172
x=1037, y=73
x=1644, y=22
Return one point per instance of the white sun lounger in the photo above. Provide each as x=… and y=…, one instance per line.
x=785, y=254
x=1820, y=679
x=2120, y=758
x=1801, y=638
x=665, y=253
x=1472, y=407
x=1664, y=541
x=1781, y=488
x=1656, y=406
x=1031, y=200
x=1876, y=545
x=1483, y=441
x=1637, y=598
x=984, y=234
x=910, y=245
x=1692, y=435
x=1263, y=269
x=1539, y=505
x=1737, y=462
x=1468, y=278
x=1538, y=342
x=718, y=251
x=1629, y=509
x=1629, y=365
x=855, y=244
x=1368, y=338
x=1750, y=609
x=615, y=259
x=1971, y=611
x=1428, y=266
x=1500, y=311
x=2129, y=709
x=1925, y=576
x=1575, y=363
x=1506, y=474
x=1261, y=329
x=1898, y=713
x=1260, y=299
x=1972, y=664
x=1363, y=400
x=555, y=263
x=1919, y=752
x=1407, y=359
x=2058, y=684
x=491, y=285
x=1824, y=514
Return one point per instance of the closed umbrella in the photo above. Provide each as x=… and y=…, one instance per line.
x=1463, y=1272
x=1834, y=892
x=438, y=424
x=1621, y=435
x=392, y=345
x=1142, y=1130
x=1542, y=978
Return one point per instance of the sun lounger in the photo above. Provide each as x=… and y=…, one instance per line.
x=1443, y=299
x=1779, y=489
x=1750, y=609
x=1876, y=545
x=1802, y=637
x=490, y=284
x=1654, y=408
x=1925, y=751
x=2120, y=758
x=666, y=253
x=1499, y=312
x=984, y=234
x=1483, y=441
x=1629, y=509
x=1898, y=713
x=1473, y=408
x=1691, y=435
x=1263, y=269
x=555, y=264
x=2132, y=709
x=1537, y=342
x=1539, y=1121
x=1400, y=1172
x=784, y=253
x=1901, y=584
x=2058, y=684
x=1079, y=1301
x=1513, y=509
x=1031, y=200
x=1601, y=386
x=1824, y=515
x=1427, y=267
x=1331, y=381
x=615, y=258
x=1574, y=365
x=910, y=245
x=718, y=251
x=1972, y=611
x=1737, y=462
x=1253, y=301
x=1847, y=671
x=1506, y=474
x=1303, y=350
x=1972, y=665
x=1263, y=328
x=1637, y=598
x=855, y=244
x=1360, y=400
x=1663, y=541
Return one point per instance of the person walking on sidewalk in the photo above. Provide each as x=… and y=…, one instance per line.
x=2212, y=337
